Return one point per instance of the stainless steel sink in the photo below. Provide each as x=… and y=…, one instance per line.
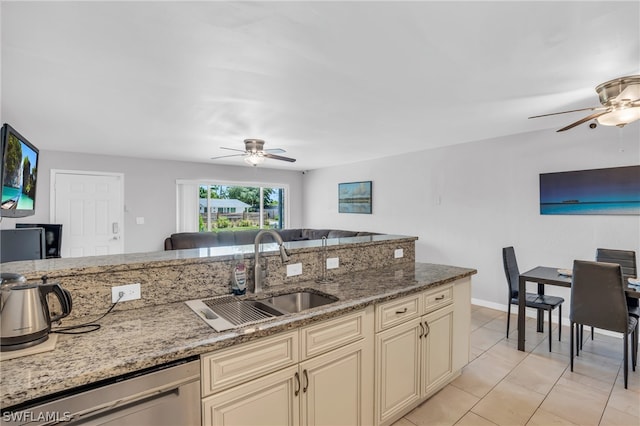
x=300, y=301
x=228, y=312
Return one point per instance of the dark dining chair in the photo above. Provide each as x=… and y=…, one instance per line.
x=627, y=260
x=532, y=300
x=598, y=300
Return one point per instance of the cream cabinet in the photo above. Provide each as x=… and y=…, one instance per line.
x=415, y=349
x=437, y=349
x=321, y=374
x=336, y=387
x=264, y=401
x=398, y=359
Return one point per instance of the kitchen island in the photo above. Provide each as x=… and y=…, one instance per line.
x=132, y=340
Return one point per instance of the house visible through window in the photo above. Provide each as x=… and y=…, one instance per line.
x=230, y=208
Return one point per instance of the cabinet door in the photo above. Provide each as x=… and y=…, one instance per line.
x=270, y=400
x=397, y=370
x=337, y=388
x=437, y=360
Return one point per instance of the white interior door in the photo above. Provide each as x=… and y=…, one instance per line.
x=90, y=207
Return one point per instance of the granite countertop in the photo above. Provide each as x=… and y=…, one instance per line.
x=120, y=262
x=136, y=339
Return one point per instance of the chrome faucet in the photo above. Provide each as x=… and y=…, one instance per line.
x=257, y=269
x=323, y=263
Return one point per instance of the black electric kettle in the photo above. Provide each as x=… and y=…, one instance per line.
x=24, y=314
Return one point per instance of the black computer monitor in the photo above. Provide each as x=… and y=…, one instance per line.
x=22, y=244
x=52, y=237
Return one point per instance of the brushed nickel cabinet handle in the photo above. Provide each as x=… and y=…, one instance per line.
x=404, y=311
x=297, y=377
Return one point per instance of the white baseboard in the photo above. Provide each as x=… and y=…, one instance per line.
x=532, y=313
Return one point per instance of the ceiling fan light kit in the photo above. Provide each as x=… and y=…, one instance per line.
x=620, y=99
x=620, y=117
x=254, y=158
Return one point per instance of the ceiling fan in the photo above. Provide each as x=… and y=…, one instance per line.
x=254, y=153
x=620, y=99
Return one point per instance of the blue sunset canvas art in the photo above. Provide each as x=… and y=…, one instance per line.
x=611, y=191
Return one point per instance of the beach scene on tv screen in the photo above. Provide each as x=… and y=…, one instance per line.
x=19, y=180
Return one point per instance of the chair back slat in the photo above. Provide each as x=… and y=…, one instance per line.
x=597, y=296
x=511, y=270
x=624, y=258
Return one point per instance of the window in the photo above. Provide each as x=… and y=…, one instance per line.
x=230, y=208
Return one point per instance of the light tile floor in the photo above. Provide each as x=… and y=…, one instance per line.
x=503, y=386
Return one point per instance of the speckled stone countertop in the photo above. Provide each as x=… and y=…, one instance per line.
x=125, y=261
x=136, y=339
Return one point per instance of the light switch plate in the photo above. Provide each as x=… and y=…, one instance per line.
x=294, y=269
x=140, y=220
x=398, y=253
x=333, y=263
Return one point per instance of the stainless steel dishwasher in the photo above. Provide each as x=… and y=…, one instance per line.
x=167, y=395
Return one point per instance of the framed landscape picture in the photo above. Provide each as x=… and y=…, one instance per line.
x=612, y=191
x=354, y=197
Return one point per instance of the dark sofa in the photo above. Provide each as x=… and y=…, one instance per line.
x=189, y=240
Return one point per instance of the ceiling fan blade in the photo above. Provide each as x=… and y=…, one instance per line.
x=227, y=156
x=275, y=151
x=565, y=112
x=279, y=157
x=233, y=149
x=584, y=120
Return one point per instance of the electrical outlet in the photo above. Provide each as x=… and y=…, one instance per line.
x=333, y=263
x=294, y=269
x=398, y=253
x=131, y=292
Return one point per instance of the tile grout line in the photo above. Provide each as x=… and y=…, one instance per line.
x=500, y=381
x=559, y=354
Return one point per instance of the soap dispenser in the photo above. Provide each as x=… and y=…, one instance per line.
x=239, y=276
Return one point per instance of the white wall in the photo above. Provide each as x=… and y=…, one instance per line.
x=470, y=200
x=150, y=191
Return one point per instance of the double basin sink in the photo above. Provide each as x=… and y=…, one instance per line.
x=229, y=312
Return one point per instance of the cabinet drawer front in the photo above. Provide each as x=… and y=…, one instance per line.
x=235, y=365
x=397, y=311
x=437, y=298
x=327, y=335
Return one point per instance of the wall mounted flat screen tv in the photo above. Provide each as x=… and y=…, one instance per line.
x=612, y=191
x=19, y=174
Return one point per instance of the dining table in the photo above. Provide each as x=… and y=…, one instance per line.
x=546, y=275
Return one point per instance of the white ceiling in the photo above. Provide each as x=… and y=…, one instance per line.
x=329, y=82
